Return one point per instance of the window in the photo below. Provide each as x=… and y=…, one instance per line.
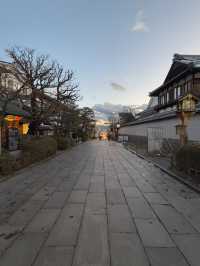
x=159, y=100
x=167, y=97
x=163, y=99
x=178, y=91
x=185, y=87
x=188, y=86
x=175, y=93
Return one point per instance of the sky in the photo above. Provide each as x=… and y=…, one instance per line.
x=120, y=50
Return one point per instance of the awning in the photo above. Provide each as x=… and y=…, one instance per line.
x=13, y=108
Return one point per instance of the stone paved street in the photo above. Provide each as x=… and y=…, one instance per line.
x=98, y=205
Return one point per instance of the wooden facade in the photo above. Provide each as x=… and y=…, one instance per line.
x=182, y=78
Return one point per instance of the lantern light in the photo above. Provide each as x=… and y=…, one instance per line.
x=187, y=104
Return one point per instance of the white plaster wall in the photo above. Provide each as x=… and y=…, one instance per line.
x=168, y=127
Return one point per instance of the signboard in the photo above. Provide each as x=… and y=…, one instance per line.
x=13, y=139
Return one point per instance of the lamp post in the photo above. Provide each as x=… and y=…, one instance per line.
x=185, y=109
x=118, y=127
x=93, y=125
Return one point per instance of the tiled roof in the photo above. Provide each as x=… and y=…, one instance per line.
x=13, y=108
x=153, y=117
x=188, y=59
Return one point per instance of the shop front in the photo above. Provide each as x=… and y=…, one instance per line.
x=14, y=124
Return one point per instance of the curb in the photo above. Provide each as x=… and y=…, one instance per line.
x=163, y=169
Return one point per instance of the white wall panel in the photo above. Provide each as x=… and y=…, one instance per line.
x=168, y=126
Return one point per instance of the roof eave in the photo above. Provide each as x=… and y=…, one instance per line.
x=179, y=76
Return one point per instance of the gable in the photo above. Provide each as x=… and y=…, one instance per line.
x=176, y=69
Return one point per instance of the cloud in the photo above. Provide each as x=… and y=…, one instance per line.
x=140, y=23
x=104, y=111
x=117, y=87
x=107, y=109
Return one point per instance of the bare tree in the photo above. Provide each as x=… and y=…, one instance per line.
x=37, y=72
x=50, y=88
x=64, y=95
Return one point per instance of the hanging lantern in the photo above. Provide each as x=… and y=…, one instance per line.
x=11, y=118
x=187, y=104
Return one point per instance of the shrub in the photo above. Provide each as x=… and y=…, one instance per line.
x=38, y=148
x=188, y=157
x=33, y=150
x=63, y=143
x=7, y=164
x=85, y=137
x=73, y=142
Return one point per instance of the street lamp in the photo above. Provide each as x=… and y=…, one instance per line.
x=118, y=127
x=186, y=107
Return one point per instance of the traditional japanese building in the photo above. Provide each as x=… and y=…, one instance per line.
x=182, y=78
x=157, y=124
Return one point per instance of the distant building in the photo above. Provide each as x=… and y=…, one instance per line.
x=126, y=117
x=157, y=124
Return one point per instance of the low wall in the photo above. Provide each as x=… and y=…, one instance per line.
x=168, y=126
x=160, y=132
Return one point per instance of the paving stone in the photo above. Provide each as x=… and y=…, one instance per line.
x=65, y=186
x=55, y=182
x=22, y=216
x=115, y=196
x=140, y=208
x=132, y=192
x=96, y=203
x=145, y=187
x=126, y=181
x=83, y=183
x=44, y=193
x=57, y=200
x=97, y=187
x=99, y=172
x=78, y=196
x=166, y=257
x=92, y=246
x=189, y=246
x=99, y=165
x=55, y=256
x=112, y=183
x=43, y=221
x=32, y=189
x=155, y=198
x=120, y=220
x=173, y=221
x=97, y=178
x=127, y=250
x=153, y=233
x=23, y=251
x=65, y=231
x=189, y=208
x=7, y=234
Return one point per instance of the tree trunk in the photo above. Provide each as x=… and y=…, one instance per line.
x=0, y=143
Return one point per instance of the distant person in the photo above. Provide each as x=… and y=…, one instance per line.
x=109, y=136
